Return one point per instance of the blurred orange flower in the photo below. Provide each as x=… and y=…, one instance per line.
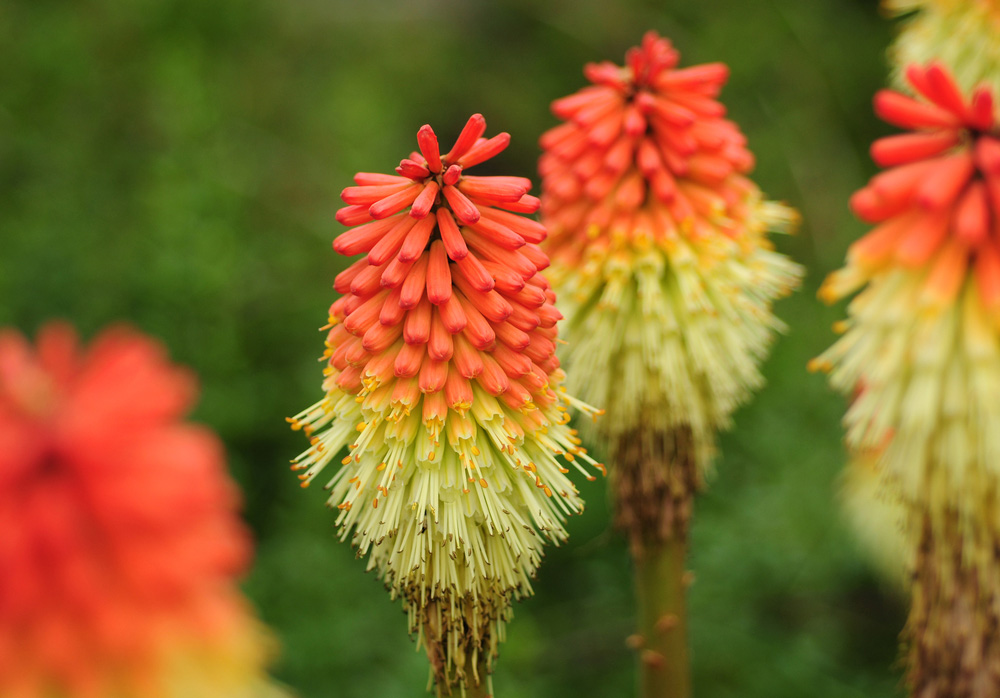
x=922, y=335
x=119, y=539
x=659, y=247
x=937, y=202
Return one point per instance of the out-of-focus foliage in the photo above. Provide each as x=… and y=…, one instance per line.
x=176, y=164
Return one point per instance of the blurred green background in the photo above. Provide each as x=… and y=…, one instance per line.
x=176, y=164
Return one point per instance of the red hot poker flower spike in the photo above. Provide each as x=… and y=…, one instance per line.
x=443, y=385
x=659, y=248
x=661, y=260
x=922, y=336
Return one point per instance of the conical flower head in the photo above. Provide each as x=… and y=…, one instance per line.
x=658, y=246
x=119, y=539
x=964, y=35
x=444, y=388
x=923, y=337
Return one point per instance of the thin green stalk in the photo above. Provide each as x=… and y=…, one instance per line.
x=664, y=664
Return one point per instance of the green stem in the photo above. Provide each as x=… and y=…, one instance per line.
x=664, y=666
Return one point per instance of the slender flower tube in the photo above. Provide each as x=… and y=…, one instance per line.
x=923, y=337
x=666, y=277
x=119, y=538
x=443, y=386
x=964, y=35
x=660, y=256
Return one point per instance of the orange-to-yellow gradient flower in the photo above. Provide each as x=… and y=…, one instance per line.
x=923, y=337
x=963, y=35
x=119, y=539
x=926, y=323
x=659, y=250
x=443, y=385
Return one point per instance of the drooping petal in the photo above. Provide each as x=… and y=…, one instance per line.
x=439, y=276
x=454, y=243
x=464, y=210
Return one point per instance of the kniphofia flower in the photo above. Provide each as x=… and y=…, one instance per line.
x=119, y=538
x=660, y=257
x=924, y=338
x=963, y=35
x=443, y=388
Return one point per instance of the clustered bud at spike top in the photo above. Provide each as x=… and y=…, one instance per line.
x=964, y=35
x=923, y=337
x=119, y=537
x=658, y=246
x=443, y=386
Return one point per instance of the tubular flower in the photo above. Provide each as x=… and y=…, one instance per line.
x=119, y=539
x=925, y=336
x=443, y=385
x=660, y=256
x=963, y=34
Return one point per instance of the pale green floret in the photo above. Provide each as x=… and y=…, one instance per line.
x=669, y=335
x=927, y=383
x=454, y=513
x=964, y=35
x=483, y=491
x=877, y=517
